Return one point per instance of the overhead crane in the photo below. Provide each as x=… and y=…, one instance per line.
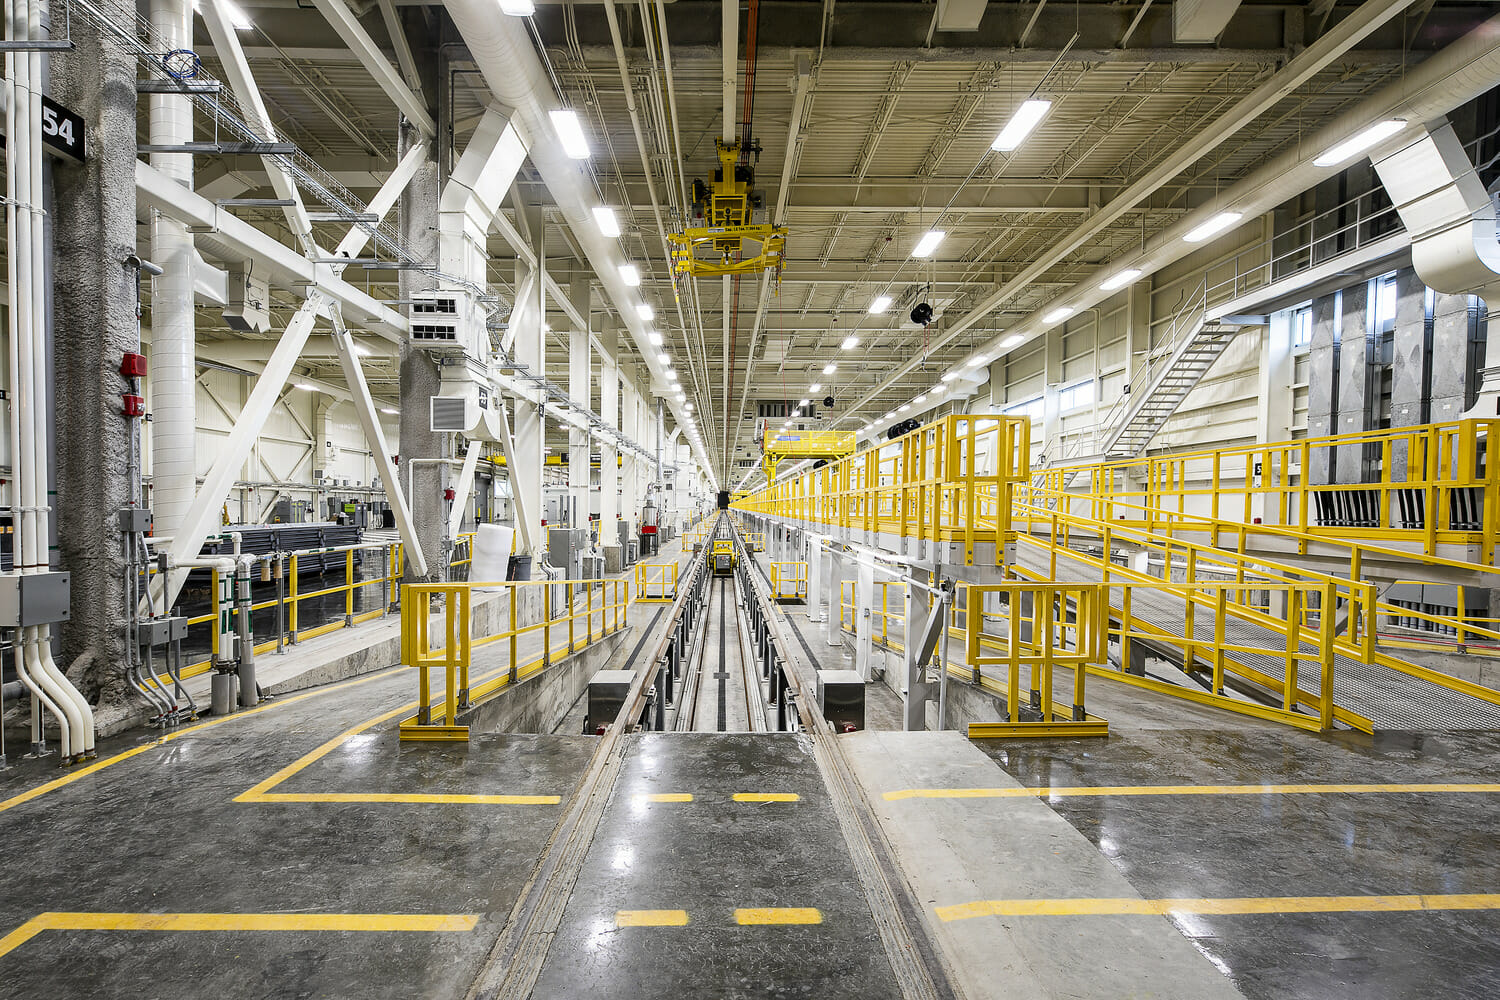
x=728, y=241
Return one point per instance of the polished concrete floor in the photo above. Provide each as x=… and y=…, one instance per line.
x=1304, y=848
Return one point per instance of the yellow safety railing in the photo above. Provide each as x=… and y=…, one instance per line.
x=286, y=567
x=885, y=615
x=1046, y=625
x=948, y=481
x=755, y=541
x=656, y=583
x=463, y=548
x=1432, y=486
x=452, y=650
x=789, y=581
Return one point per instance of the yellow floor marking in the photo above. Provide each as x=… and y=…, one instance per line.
x=665, y=797
x=1102, y=790
x=651, y=918
x=755, y=916
x=423, y=922
x=766, y=797
x=1253, y=904
x=434, y=798
x=97, y=766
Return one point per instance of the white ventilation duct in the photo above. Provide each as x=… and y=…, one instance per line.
x=504, y=54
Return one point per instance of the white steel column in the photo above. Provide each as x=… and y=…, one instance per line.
x=525, y=466
x=609, y=470
x=173, y=373
x=631, y=499
x=865, y=605
x=580, y=388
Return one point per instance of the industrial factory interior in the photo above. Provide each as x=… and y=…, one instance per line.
x=750, y=500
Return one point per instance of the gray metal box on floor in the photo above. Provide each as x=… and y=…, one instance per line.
x=842, y=695
x=607, y=691
x=35, y=599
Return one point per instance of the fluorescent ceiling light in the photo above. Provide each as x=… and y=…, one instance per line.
x=1352, y=147
x=630, y=274
x=672, y=374
x=1012, y=340
x=889, y=416
x=1058, y=315
x=517, y=8
x=881, y=304
x=605, y=221
x=830, y=368
x=949, y=376
x=938, y=389
x=920, y=399
x=928, y=243
x=815, y=387
x=1120, y=280
x=645, y=312
x=903, y=407
x=655, y=338
x=390, y=410
x=803, y=403
x=1027, y=117
x=238, y=19
x=306, y=387
x=979, y=362
x=664, y=358
x=1213, y=226
x=570, y=133
x=850, y=343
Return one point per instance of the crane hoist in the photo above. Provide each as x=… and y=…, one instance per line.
x=729, y=239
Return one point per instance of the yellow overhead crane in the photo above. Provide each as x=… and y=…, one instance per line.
x=778, y=444
x=729, y=241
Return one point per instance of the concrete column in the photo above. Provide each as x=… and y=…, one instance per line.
x=1453, y=322
x=609, y=471
x=1356, y=364
x=1411, y=362
x=1323, y=381
x=420, y=470
x=93, y=231
x=530, y=350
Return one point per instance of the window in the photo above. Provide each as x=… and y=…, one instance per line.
x=1302, y=326
x=1076, y=396
x=1032, y=408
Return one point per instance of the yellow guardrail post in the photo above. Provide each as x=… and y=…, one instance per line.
x=292, y=597
x=1325, y=658
x=546, y=625
x=515, y=630
x=349, y=587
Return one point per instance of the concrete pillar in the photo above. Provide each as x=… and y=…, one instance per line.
x=1357, y=363
x=1323, y=381
x=609, y=469
x=93, y=230
x=1454, y=319
x=1411, y=362
x=421, y=470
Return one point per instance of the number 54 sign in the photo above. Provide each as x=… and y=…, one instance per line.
x=62, y=130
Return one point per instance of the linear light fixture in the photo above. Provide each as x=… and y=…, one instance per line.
x=815, y=387
x=1213, y=226
x=645, y=312
x=517, y=8
x=1120, y=279
x=664, y=358
x=605, y=221
x=928, y=243
x=880, y=304
x=850, y=343
x=655, y=338
x=1358, y=143
x=1058, y=315
x=1027, y=117
x=570, y=132
x=830, y=368
x=979, y=362
x=630, y=274
x=1012, y=340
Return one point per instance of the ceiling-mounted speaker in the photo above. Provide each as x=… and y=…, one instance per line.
x=828, y=401
x=921, y=314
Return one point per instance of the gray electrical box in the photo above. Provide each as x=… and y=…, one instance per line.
x=34, y=599
x=566, y=548
x=627, y=544
x=137, y=520
x=161, y=631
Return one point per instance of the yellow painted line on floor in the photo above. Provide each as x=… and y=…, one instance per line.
x=258, y=793
x=665, y=797
x=651, y=918
x=421, y=798
x=419, y=922
x=766, y=797
x=1246, y=905
x=1085, y=791
x=98, y=766
x=768, y=915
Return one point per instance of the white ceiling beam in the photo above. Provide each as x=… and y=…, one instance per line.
x=359, y=41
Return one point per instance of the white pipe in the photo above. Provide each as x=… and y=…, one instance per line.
x=173, y=373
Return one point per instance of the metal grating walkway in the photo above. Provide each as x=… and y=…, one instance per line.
x=1388, y=698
